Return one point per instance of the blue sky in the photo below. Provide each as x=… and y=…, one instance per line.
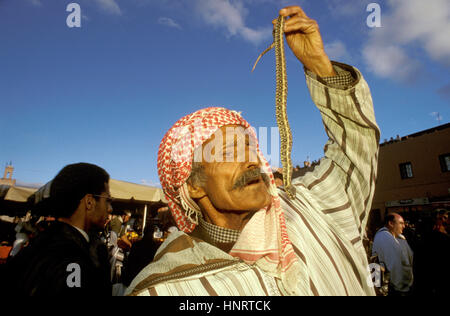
x=107, y=92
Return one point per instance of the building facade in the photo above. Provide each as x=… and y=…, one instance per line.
x=413, y=174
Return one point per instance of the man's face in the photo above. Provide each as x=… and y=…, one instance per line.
x=446, y=220
x=236, y=182
x=103, y=208
x=397, y=225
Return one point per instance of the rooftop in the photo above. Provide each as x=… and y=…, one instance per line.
x=421, y=133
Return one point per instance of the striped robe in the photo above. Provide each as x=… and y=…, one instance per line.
x=325, y=223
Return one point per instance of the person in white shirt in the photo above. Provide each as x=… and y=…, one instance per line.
x=394, y=252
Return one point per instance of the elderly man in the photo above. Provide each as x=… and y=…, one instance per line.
x=393, y=250
x=239, y=234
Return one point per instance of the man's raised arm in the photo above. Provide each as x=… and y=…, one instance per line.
x=343, y=184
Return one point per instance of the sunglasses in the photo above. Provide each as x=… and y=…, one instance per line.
x=107, y=198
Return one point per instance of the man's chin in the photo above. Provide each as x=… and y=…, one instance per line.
x=259, y=200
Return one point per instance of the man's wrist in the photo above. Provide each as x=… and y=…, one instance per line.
x=345, y=76
x=321, y=66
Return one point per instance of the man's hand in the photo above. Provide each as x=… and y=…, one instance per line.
x=303, y=37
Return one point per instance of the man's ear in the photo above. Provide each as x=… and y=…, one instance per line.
x=195, y=192
x=89, y=202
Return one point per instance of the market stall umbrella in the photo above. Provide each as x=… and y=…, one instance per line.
x=125, y=194
x=15, y=193
x=121, y=190
x=13, y=200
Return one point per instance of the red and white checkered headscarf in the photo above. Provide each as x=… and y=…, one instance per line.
x=175, y=157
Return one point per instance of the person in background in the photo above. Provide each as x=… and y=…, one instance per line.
x=60, y=260
x=441, y=222
x=432, y=259
x=20, y=242
x=119, y=223
x=166, y=220
x=141, y=254
x=394, y=252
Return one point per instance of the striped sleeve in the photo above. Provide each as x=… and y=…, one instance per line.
x=343, y=183
x=238, y=280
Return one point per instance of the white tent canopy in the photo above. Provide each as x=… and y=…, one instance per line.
x=120, y=190
x=16, y=193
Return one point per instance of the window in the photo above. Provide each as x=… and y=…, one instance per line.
x=445, y=162
x=406, y=170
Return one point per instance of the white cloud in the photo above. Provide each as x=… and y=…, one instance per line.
x=231, y=16
x=36, y=3
x=390, y=61
x=336, y=50
x=411, y=24
x=109, y=6
x=169, y=22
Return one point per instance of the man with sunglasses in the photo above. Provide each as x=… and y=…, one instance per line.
x=63, y=260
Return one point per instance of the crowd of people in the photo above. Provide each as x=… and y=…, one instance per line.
x=411, y=248
x=110, y=250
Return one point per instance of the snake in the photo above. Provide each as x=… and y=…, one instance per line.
x=280, y=104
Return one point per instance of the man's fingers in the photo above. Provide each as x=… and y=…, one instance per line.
x=302, y=24
x=292, y=10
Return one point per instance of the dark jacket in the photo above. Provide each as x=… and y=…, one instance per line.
x=141, y=254
x=45, y=268
x=431, y=265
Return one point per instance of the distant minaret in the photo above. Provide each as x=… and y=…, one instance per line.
x=307, y=163
x=7, y=177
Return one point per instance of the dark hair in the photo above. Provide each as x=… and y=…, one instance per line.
x=389, y=218
x=72, y=183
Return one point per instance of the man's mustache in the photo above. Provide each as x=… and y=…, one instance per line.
x=249, y=176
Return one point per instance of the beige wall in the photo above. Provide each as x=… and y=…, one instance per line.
x=428, y=180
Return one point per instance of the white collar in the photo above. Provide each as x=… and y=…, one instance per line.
x=82, y=232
